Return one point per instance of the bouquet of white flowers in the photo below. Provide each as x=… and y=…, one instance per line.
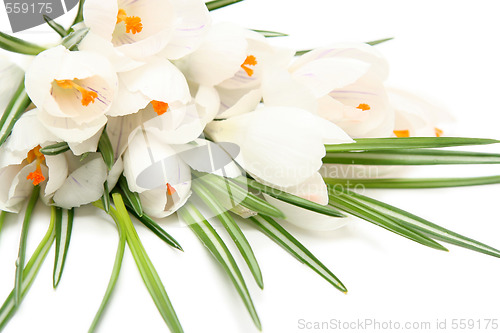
x=146, y=109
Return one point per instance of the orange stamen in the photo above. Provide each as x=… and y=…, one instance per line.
x=402, y=133
x=159, y=107
x=439, y=132
x=363, y=107
x=36, y=176
x=133, y=24
x=88, y=96
x=249, y=61
x=170, y=189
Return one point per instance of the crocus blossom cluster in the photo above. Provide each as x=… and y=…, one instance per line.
x=159, y=86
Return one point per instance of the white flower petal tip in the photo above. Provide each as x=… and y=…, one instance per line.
x=279, y=145
x=72, y=90
x=306, y=219
x=143, y=28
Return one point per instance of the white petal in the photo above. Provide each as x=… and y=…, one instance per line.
x=58, y=172
x=8, y=87
x=100, y=16
x=7, y=175
x=87, y=146
x=115, y=173
x=238, y=101
x=208, y=102
x=83, y=186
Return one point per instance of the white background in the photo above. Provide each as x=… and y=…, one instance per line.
x=445, y=49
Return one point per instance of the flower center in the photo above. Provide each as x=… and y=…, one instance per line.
x=87, y=95
x=35, y=155
x=133, y=24
x=363, y=107
x=402, y=133
x=249, y=61
x=159, y=107
x=170, y=189
x=438, y=131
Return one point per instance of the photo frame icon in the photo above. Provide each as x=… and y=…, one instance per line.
x=27, y=14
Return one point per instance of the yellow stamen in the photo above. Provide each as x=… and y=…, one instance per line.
x=363, y=107
x=438, y=131
x=88, y=96
x=36, y=176
x=159, y=107
x=402, y=133
x=249, y=61
x=133, y=24
x=170, y=189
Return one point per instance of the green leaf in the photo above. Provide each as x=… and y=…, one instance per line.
x=3, y=215
x=367, y=144
x=283, y=238
x=79, y=15
x=346, y=203
x=209, y=237
x=114, y=274
x=419, y=224
x=289, y=198
x=131, y=197
x=412, y=182
x=72, y=40
x=232, y=229
x=145, y=266
x=16, y=107
x=9, y=307
x=216, y=4
x=149, y=223
x=55, y=26
x=55, y=149
x=105, y=197
x=224, y=187
x=412, y=157
x=22, y=245
x=270, y=34
x=14, y=44
x=62, y=243
x=379, y=41
x=106, y=149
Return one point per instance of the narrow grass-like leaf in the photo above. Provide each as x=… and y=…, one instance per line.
x=379, y=41
x=413, y=183
x=22, y=245
x=345, y=202
x=79, y=15
x=149, y=223
x=289, y=198
x=232, y=228
x=283, y=238
x=14, y=44
x=72, y=40
x=106, y=149
x=146, y=268
x=270, y=34
x=62, y=244
x=55, y=26
x=30, y=271
x=225, y=187
x=3, y=215
x=421, y=225
x=131, y=197
x=216, y=4
x=105, y=198
x=16, y=107
x=114, y=274
x=209, y=237
x=55, y=149
x=367, y=144
x=412, y=157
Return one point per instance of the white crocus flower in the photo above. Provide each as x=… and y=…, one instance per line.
x=416, y=116
x=11, y=76
x=155, y=171
x=343, y=84
x=142, y=28
x=65, y=180
x=232, y=60
x=282, y=147
x=73, y=92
